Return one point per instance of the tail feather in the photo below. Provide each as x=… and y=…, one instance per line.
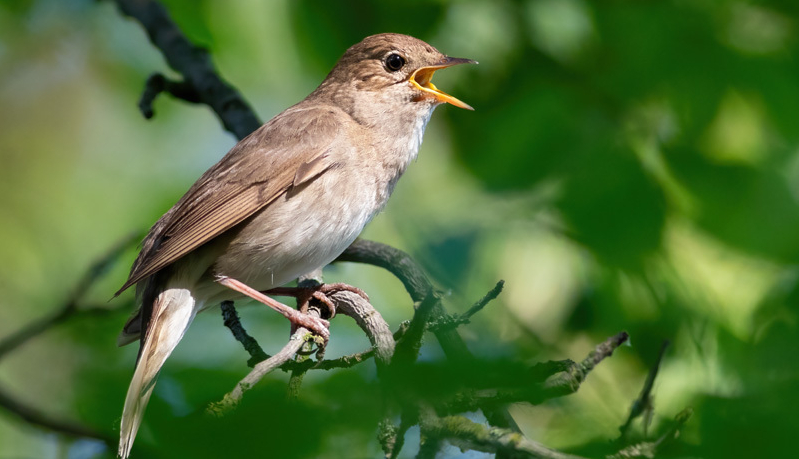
x=173, y=311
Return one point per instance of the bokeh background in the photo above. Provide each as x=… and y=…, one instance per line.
x=629, y=166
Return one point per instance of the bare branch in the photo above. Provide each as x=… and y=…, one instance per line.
x=548, y=380
x=569, y=381
x=38, y=418
x=233, y=322
x=644, y=400
x=158, y=83
x=232, y=398
x=194, y=64
x=465, y=318
x=70, y=309
x=649, y=449
x=467, y=434
x=71, y=305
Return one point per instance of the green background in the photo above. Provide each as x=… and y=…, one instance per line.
x=630, y=165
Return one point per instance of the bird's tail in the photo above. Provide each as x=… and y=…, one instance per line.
x=173, y=310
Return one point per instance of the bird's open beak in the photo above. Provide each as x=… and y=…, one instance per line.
x=421, y=80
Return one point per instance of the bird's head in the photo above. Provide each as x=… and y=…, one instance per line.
x=393, y=68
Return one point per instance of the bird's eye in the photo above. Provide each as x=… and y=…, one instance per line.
x=394, y=62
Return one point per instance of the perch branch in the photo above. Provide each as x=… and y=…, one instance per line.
x=232, y=398
x=370, y=321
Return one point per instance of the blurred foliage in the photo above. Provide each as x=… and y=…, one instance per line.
x=630, y=165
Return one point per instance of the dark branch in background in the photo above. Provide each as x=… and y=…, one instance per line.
x=202, y=81
x=71, y=306
x=158, y=83
x=38, y=418
x=70, y=309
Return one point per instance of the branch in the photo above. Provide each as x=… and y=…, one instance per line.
x=232, y=398
x=469, y=435
x=451, y=322
x=233, y=322
x=347, y=303
x=570, y=380
x=38, y=418
x=194, y=64
x=547, y=380
x=649, y=449
x=70, y=309
x=644, y=401
x=158, y=83
x=71, y=306
x=418, y=286
x=370, y=321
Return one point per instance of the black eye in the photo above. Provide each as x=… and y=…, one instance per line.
x=394, y=62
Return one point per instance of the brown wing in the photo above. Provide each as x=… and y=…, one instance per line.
x=255, y=172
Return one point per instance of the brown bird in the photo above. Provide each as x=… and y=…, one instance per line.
x=287, y=199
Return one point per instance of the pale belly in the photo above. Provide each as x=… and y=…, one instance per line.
x=297, y=233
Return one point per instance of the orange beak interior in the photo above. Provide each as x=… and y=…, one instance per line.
x=421, y=80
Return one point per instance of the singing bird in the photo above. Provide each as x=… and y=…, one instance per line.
x=284, y=201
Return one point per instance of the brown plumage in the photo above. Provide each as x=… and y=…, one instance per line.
x=286, y=200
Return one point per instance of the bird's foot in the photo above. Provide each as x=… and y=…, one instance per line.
x=316, y=325
x=320, y=293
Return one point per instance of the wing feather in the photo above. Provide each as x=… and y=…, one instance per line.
x=254, y=173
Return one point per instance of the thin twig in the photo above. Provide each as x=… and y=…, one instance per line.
x=38, y=418
x=232, y=398
x=71, y=305
x=233, y=322
x=467, y=434
x=644, y=400
x=569, y=381
x=545, y=381
x=465, y=318
x=648, y=449
x=482, y=302
x=70, y=309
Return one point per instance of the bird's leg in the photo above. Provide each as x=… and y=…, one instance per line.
x=319, y=293
x=317, y=325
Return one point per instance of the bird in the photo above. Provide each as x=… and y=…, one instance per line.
x=285, y=200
